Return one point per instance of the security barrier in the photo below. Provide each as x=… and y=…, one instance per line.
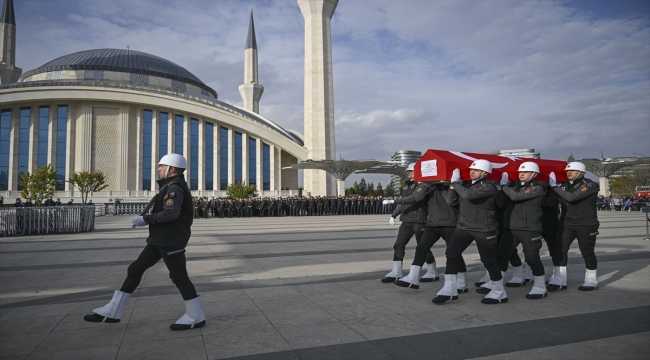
x=126, y=209
x=48, y=220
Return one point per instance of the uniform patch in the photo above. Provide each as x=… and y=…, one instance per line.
x=479, y=186
x=169, y=202
x=166, y=196
x=170, y=195
x=583, y=187
x=528, y=190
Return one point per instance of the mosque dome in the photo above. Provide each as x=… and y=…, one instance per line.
x=118, y=65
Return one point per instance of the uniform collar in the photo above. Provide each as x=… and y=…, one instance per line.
x=163, y=182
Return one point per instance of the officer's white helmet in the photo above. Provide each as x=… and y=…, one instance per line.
x=411, y=167
x=576, y=165
x=482, y=165
x=529, y=166
x=175, y=160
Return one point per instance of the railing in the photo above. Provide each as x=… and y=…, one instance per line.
x=48, y=220
x=127, y=209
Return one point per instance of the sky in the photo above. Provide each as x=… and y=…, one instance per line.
x=562, y=77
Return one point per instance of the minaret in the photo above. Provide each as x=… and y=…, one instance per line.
x=9, y=73
x=250, y=90
x=319, y=92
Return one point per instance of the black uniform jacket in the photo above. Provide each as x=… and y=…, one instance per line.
x=524, y=209
x=578, y=202
x=477, y=203
x=412, y=211
x=172, y=214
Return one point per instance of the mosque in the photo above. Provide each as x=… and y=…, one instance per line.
x=119, y=110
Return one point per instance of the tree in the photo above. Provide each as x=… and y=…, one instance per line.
x=241, y=190
x=390, y=189
x=87, y=182
x=371, y=189
x=380, y=190
x=362, y=188
x=626, y=184
x=39, y=185
x=571, y=158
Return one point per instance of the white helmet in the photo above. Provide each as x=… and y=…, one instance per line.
x=175, y=160
x=411, y=167
x=576, y=166
x=482, y=165
x=529, y=166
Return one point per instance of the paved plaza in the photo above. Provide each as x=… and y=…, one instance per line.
x=308, y=288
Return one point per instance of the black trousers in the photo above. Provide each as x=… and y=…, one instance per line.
x=507, y=250
x=586, y=236
x=406, y=232
x=531, y=242
x=430, y=236
x=486, y=242
x=174, y=259
x=553, y=243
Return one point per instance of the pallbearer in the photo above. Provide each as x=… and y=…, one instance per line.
x=579, y=219
x=476, y=222
x=169, y=232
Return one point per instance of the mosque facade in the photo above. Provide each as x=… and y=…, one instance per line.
x=119, y=110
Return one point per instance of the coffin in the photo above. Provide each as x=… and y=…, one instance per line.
x=438, y=165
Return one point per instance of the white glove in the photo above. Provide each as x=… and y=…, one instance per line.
x=552, y=181
x=385, y=202
x=391, y=221
x=504, y=179
x=455, y=175
x=138, y=221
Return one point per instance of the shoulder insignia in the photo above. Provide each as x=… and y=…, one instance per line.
x=528, y=190
x=583, y=188
x=170, y=195
x=479, y=186
x=166, y=196
x=169, y=202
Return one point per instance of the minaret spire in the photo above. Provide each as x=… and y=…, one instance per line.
x=250, y=90
x=9, y=73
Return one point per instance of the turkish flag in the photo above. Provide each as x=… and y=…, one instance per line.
x=438, y=165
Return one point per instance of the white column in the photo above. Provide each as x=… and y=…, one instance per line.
x=603, y=183
x=85, y=138
x=139, y=147
x=13, y=149
x=155, y=145
x=201, y=163
x=52, y=136
x=70, y=147
x=33, y=139
x=244, y=158
x=231, y=156
x=123, y=166
x=259, y=161
x=273, y=167
x=186, y=146
x=216, y=170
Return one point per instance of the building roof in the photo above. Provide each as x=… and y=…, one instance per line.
x=121, y=60
x=8, y=16
x=251, y=43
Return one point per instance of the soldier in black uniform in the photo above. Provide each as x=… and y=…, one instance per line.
x=476, y=222
x=413, y=217
x=523, y=219
x=442, y=218
x=578, y=197
x=169, y=232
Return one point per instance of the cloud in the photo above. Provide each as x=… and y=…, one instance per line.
x=465, y=75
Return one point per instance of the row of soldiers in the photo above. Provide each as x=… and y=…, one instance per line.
x=291, y=206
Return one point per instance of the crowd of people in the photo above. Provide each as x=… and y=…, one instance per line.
x=291, y=206
x=617, y=202
x=48, y=202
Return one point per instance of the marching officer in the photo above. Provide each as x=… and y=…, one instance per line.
x=441, y=222
x=476, y=222
x=413, y=217
x=579, y=219
x=169, y=232
x=523, y=219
